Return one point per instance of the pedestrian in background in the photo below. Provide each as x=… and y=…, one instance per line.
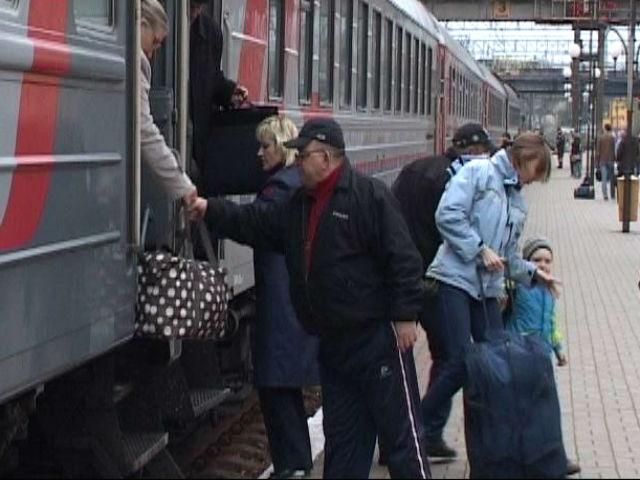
x=481, y=216
x=605, y=158
x=560, y=145
x=284, y=356
x=355, y=282
x=419, y=188
x=576, y=156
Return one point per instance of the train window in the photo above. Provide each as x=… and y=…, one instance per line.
x=8, y=4
x=423, y=77
x=407, y=73
x=377, y=60
x=306, y=50
x=276, y=49
x=388, y=65
x=346, y=51
x=325, y=68
x=416, y=73
x=94, y=12
x=399, y=69
x=429, y=78
x=363, y=54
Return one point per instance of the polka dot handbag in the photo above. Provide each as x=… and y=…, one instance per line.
x=181, y=298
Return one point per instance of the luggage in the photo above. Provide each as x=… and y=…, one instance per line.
x=232, y=165
x=512, y=412
x=180, y=298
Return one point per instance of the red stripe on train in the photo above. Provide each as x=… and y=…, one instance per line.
x=36, y=124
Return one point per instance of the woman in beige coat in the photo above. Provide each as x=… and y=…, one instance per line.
x=154, y=150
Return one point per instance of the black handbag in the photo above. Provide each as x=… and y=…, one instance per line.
x=231, y=165
x=182, y=298
x=598, y=175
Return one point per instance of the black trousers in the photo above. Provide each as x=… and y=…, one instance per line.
x=370, y=389
x=285, y=420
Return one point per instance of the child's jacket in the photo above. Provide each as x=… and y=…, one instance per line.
x=534, y=312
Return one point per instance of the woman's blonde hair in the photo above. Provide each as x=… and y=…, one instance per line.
x=279, y=129
x=531, y=147
x=154, y=15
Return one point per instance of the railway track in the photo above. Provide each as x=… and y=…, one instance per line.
x=233, y=444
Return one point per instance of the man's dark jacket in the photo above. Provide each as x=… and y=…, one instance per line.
x=209, y=89
x=418, y=189
x=364, y=266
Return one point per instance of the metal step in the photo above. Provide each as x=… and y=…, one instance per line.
x=163, y=466
x=204, y=400
x=140, y=448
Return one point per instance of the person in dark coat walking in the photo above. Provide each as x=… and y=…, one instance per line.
x=285, y=357
x=209, y=89
x=418, y=189
x=355, y=281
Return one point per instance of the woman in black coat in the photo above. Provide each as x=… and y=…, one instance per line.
x=284, y=355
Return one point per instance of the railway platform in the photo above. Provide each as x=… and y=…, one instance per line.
x=598, y=314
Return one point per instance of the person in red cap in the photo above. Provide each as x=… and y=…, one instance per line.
x=355, y=282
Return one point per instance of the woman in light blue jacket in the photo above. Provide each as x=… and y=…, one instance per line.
x=481, y=217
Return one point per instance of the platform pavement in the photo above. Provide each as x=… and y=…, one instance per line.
x=599, y=313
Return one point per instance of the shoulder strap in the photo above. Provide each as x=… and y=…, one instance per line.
x=207, y=244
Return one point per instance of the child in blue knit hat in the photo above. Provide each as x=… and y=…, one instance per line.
x=533, y=308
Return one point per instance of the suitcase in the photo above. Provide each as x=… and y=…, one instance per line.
x=512, y=412
x=511, y=409
x=232, y=165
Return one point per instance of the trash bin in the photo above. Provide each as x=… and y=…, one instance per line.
x=634, y=198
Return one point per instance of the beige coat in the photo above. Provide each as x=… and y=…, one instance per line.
x=154, y=150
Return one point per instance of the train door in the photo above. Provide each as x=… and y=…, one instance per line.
x=67, y=154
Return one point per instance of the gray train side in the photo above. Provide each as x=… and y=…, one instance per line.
x=73, y=191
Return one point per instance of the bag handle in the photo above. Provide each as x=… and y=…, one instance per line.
x=207, y=244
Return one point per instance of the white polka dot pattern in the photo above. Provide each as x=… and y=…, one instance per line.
x=181, y=298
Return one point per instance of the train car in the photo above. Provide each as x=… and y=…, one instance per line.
x=73, y=192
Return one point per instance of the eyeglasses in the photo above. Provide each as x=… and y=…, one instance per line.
x=303, y=155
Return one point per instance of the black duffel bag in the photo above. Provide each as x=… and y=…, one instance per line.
x=232, y=165
x=181, y=298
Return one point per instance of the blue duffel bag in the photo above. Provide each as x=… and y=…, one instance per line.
x=512, y=412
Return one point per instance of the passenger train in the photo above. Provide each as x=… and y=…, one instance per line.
x=73, y=192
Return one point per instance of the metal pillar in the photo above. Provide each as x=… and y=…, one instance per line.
x=629, y=161
x=600, y=83
x=575, y=84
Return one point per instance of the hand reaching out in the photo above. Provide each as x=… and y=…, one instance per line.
x=407, y=334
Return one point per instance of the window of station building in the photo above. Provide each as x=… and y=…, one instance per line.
x=407, y=72
x=276, y=48
x=429, y=79
x=377, y=58
x=325, y=67
x=423, y=77
x=416, y=73
x=346, y=51
x=363, y=54
x=94, y=12
x=399, y=49
x=388, y=67
x=305, y=50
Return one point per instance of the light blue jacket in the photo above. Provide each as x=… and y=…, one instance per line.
x=482, y=205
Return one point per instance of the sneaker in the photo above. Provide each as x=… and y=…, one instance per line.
x=440, y=449
x=606, y=198
x=572, y=467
